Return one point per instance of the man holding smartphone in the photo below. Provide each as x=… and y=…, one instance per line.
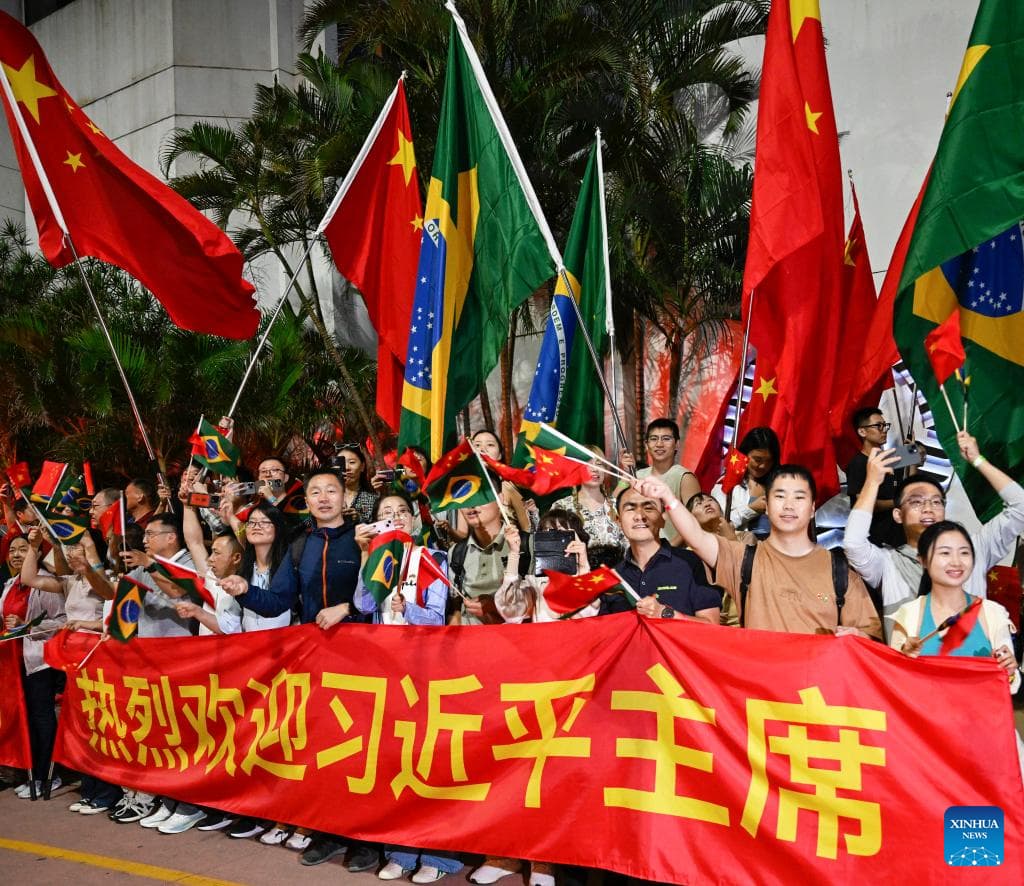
x=871, y=428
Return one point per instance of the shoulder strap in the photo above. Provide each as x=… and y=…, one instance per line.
x=840, y=579
x=746, y=573
x=296, y=549
x=457, y=562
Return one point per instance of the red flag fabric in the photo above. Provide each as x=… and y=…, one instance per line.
x=19, y=475
x=50, y=475
x=858, y=300
x=1003, y=585
x=549, y=473
x=112, y=520
x=411, y=463
x=428, y=572
x=961, y=627
x=188, y=579
x=115, y=210
x=735, y=470
x=796, y=237
x=15, y=749
x=90, y=486
x=567, y=593
x=374, y=234
x=945, y=347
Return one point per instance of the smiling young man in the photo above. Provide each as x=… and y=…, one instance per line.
x=792, y=583
x=871, y=428
x=920, y=502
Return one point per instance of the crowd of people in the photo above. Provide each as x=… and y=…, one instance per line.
x=744, y=559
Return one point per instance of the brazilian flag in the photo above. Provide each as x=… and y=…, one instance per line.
x=483, y=252
x=382, y=572
x=22, y=630
x=966, y=253
x=68, y=529
x=457, y=480
x=543, y=436
x=127, y=608
x=69, y=492
x=214, y=451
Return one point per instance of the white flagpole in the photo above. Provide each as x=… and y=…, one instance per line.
x=609, y=320
x=324, y=222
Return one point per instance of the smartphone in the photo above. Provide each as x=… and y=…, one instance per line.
x=387, y=475
x=909, y=455
x=549, y=552
x=275, y=485
x=204, y=500
x=382, y=526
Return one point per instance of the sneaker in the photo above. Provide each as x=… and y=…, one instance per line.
x=541, y=874
x=274, y=836
x=320, y=850
x=298, y=842
x=78, y=804
x=181, y=822
x=363, y=858
x=155, y=819
x=247, y=827
x=93, y=808
x=428, y=874
x=217, y=822
x=133, y=810
x=492, y=870
x=391, y=871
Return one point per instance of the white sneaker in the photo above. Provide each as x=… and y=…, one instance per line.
x=78, y=804
x=274, y=836
x=428, y=874
x=391, y=871
x=298, y=842
x=180, y=822
x=157, y=818
x=24, y=791
x=488, y=874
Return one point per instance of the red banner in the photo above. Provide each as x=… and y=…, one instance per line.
x=664, y=750
x=14, y=745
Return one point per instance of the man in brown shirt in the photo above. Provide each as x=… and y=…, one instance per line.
x=791, y=586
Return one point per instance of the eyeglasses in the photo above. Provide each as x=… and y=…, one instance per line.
x=879, y=425
x=916, y=503
x=149, y=533
x=664, y=438
x=388, y=514
x=270, y=473
x=258, y=524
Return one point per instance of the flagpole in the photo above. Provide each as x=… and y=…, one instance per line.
x=609, y=320
x=494, y=491
x=739, y=390
x=51, y=198
x=529, y=194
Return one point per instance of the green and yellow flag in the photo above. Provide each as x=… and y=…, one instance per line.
x=123, y=623
x=214, y=451
x=966, y=253
x=485, y=249
x=382, y=572
x=457, y=480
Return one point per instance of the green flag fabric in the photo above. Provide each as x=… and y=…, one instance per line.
x=566, y=390
x=457, y=480
x=382, y=572
x=482, y=254
x=124, y=614
x=214, y=451
x=967, y=252
x=68, y=528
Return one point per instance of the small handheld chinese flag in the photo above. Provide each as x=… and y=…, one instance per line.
x=735, y=470
x=19, y=475
x=428, y=572
x=567, y=593
x=188, y=580
x=960, y=626
x=945, y=347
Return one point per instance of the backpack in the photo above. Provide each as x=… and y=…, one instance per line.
x=840, y=579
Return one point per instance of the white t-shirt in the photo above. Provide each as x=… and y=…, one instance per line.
x=251, y=621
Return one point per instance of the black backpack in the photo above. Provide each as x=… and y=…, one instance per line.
x=840, y=579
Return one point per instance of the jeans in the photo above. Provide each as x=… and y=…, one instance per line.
x=100, y=792
x=41, y=690
x=407, y=859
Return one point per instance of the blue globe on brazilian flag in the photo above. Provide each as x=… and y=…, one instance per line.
x=457, y=480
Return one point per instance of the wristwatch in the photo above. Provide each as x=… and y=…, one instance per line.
x=668, y=612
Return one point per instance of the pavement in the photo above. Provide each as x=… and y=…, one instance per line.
x=42, y=843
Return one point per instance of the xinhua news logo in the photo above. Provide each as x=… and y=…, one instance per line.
x=974, y=836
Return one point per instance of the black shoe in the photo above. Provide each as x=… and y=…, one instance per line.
x=321, y=850
x=216, y=821
x=363, y=858
x=247, y=827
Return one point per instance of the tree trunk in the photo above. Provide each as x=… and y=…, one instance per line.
x=485, y=407
x=640, y=360
x=507, y=362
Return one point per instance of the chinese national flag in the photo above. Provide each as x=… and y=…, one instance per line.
x=960, y=627
x=550, y=471
x=858, y=301
x=113, y=209
x=567, y=593
x=428, y=572
x=792, y=285
x=1003, y=583
x=735, y=470
x=15, y=749
x=374, y=232
x=945, y=347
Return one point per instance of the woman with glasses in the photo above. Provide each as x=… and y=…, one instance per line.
x=745, y=506
x=358, y=497
x=591, y=504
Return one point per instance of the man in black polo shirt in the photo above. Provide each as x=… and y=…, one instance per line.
x=671, y=582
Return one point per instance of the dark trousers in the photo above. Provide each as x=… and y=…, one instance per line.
x=41, y=689
x=101, y=793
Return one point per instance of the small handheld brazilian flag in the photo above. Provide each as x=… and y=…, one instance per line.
x=382, y=572
x=213, y=450
x=24, y=629
x=123, y=623
x=457, y=480
x=68, y=528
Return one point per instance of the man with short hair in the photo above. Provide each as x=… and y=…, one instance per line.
x=140, y=501
x=919, y=502
x=871, y=428
x=671, y=582
x=662, y=441
x=272, y=470
x=792, y=583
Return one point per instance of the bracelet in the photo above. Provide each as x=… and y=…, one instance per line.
x=979, y=461
x=672, y=505
x=96, y=567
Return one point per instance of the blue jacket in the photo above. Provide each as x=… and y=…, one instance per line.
x=343, y=560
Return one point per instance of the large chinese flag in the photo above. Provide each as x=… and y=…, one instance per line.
x=858, y=302
x=78, y=181
x=797, y=237
x=374, y=230
x=14, y=743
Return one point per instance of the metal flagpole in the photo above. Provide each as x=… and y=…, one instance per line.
x=609, y=320
x=739, y=390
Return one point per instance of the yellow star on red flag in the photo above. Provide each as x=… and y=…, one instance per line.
x=26, y=88
x=766, y=389
x=404, y=156
x=74, y=161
